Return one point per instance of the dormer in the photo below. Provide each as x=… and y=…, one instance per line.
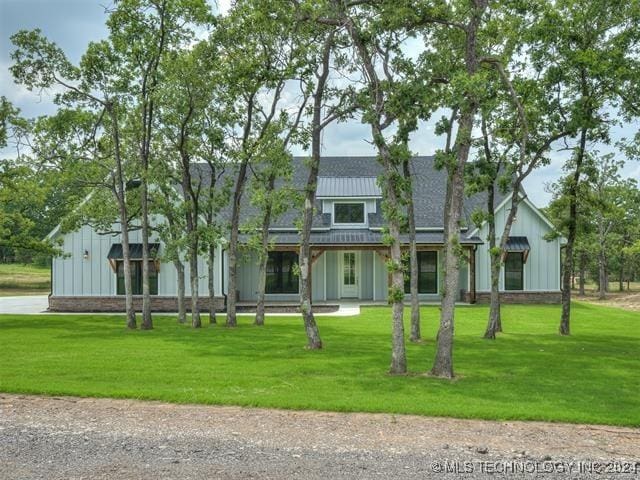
x=348, y=200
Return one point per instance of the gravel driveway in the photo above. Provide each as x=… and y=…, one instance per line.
x=50, y=437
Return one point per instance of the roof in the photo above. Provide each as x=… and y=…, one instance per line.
x=429, y=186
x=348, y=187
x=361, y=236
x=135, y=251
x=517, y=244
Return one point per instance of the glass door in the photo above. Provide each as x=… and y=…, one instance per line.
x=350, y=287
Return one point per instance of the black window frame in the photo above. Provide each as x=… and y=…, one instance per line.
x=276, y=282
x=507, y=271
x=351, y=211
x=136, y=277
x=423, y=282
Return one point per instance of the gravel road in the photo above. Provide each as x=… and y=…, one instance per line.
x=76, y=438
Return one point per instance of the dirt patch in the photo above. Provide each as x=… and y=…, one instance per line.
x=625, y=300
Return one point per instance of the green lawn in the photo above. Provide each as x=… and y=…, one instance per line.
x=19, y=279
x=528, y=373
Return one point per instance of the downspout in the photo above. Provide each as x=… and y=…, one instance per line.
x=222, y=283
x=50, y=285
x=474, y=279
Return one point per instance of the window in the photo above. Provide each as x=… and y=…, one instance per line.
x=136, y=277
x=427, y=273
x=348, y=213
x=281, y=275
x=513, y=271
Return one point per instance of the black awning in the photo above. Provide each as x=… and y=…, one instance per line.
x=135, y=251
x=517, y=244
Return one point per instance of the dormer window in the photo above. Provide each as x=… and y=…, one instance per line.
x=348, y=213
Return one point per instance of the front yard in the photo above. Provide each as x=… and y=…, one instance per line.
x=528, y=373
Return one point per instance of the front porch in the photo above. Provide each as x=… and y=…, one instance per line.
x=342, y=273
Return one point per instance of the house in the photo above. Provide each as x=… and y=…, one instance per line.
x=348, y=253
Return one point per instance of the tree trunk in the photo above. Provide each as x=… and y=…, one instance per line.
x=621, y=275
x=182, y=308
x=565, y=321
x=120, y=191
x=211, y=279
x=193, y=277
x=583, y=261
x=443, y=363
x=392, y=199
x=415, y=335
x=602, y=272
x=126, y=264
x=495, y=255
x=233, y=244
x=314, y=341
x=264, y=254
x=147, y=321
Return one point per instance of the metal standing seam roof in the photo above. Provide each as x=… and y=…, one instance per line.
x=359, y=237
x=135, y=251
x=348, y=187
x=518, y=244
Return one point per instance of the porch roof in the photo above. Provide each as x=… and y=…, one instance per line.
x=116, y=251
x=355, y=237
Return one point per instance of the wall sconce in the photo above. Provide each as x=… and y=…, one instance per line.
x=86, y=255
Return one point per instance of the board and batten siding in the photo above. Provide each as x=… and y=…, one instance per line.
x=248, y=281
x=73, y=275
x=542, y=269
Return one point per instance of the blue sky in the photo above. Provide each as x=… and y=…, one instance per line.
x=74, y=23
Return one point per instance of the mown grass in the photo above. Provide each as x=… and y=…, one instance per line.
x=20, y=279
x=529, y=373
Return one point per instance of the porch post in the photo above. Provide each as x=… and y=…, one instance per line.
x=472, y=274
x=312, y=260
x=310, y=275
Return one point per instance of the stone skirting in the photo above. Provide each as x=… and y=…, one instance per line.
x=116, y=304
x=520, y=297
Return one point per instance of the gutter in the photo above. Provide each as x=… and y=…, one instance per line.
x=222, y=286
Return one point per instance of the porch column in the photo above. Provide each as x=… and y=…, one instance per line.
x=384, y=255
x=472, y=275
x=314, y=254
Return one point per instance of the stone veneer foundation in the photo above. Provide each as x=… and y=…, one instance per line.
x=116, y=304
x=521, y=297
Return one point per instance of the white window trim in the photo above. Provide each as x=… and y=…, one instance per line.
x=349, y=225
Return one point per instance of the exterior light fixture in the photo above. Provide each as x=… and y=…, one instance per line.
x=86, y=255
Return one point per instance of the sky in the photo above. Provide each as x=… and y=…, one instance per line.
x=72, y=24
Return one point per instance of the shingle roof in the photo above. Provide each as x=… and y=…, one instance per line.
x=348, y=187
x=429, y=186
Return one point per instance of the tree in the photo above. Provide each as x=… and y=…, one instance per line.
x=391, y=95
x=33, y=196
x=465, y=86
x=585, y=49
x=192, y=132
x=517, y=132
x=142, y=32
x=94, y=88
x=256, y=73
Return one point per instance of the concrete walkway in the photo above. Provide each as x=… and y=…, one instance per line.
x=27, y=304
x=34, y=304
